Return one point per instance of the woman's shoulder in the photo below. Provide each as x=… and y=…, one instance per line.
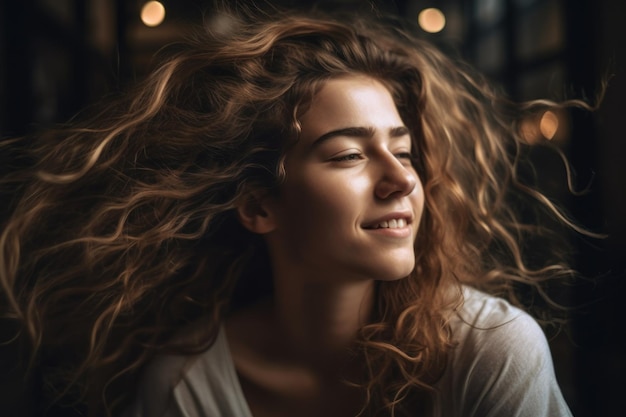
x=486, y=310
x=501, y=362
x=489, y=328
x=202, y=384
x=157, y=383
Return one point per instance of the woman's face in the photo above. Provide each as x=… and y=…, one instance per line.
x=352, y=202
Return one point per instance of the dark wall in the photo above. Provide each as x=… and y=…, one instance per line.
x=601, y=353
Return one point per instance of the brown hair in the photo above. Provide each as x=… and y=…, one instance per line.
x=121, y=229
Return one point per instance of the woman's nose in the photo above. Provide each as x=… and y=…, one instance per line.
x=396, y=179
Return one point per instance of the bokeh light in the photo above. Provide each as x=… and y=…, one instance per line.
x=539, y=127
x=549, y=124
x=152, y=13
x=431, y=20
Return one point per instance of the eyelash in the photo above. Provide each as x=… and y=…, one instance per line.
x=349, y=157
x=357, y=156
x=404, y=155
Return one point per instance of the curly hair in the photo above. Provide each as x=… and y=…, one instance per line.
x=121, y=227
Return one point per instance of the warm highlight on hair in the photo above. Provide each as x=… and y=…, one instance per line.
x=121, y=228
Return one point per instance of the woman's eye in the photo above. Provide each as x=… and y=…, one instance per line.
x=405, y=157
x=349, y=157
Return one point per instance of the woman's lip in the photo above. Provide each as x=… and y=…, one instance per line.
x=392, y=232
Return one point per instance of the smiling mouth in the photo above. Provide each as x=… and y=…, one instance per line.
x=390, y=224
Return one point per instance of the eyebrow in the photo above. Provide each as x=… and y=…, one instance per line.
x=359, y=132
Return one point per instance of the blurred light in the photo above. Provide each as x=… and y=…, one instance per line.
x=542, y=126
x=431, y=20
x=549, y=124
x=152, y=13
x=221, y=23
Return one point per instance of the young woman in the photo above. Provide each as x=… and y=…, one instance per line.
x=303, y=216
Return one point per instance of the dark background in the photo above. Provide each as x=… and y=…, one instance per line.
x=58, y=56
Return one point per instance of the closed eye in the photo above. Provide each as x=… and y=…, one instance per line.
x=349, y=157
x=405, y=157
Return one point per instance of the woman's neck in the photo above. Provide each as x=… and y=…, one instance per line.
x=318, y=321
x=293, y=352
x=309, y=324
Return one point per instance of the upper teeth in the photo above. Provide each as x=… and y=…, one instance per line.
x=391, y=224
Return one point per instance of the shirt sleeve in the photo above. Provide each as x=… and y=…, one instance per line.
x=155, y=393
x=502, y=367
x=203, y=385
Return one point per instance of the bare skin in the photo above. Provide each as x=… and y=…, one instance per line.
x=346, y=217
x=284, y=371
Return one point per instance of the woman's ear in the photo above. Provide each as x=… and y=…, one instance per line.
x=255, y=213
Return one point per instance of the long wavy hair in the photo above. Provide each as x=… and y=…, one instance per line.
x=120, y=229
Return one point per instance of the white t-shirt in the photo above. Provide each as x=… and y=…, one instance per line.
x=502, y=367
